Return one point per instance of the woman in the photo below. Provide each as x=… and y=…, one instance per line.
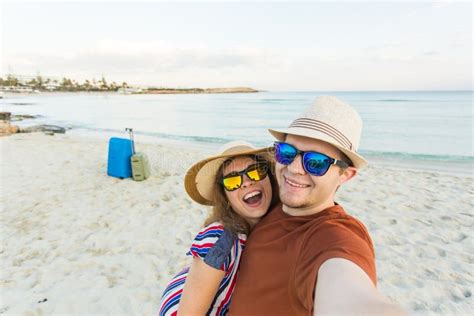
x=238, y=184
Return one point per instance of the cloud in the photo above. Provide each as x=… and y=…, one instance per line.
x=391, y=65
x=430, y=53
x=145, y=57
x=396, y=52
x=442, y=4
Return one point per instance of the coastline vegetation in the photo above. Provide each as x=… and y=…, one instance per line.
x=39, y=83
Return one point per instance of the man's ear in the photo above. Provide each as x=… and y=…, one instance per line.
x=347, y=174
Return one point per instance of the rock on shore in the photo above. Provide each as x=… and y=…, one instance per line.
x=43, y=128
x=7, y=129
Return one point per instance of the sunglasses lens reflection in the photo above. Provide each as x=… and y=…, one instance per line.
x=232, y=183
x=254, y=172
x=257, y=172
x=316, y=164
x=285, y=153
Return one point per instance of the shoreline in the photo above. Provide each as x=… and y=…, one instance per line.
x=453, y=168
x=7, y=93
x=198, y=90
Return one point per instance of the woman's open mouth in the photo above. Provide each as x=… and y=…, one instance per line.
x=253, y=198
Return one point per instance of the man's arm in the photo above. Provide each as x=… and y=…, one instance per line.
x=343, y=288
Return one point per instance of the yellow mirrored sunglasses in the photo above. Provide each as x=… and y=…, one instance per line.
x=234, y=180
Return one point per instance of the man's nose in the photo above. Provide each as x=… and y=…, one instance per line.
x=296, y=166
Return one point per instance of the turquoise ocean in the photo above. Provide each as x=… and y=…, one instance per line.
x=423, y=129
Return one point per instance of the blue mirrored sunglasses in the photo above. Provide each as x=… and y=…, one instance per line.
x=314, y=163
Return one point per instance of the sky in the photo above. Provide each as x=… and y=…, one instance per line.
x=278, y=46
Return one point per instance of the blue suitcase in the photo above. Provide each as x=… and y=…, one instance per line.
x=118, y=163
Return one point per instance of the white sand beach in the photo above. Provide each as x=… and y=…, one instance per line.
x=75, y=241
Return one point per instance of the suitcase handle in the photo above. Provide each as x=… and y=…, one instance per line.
x=130, y=131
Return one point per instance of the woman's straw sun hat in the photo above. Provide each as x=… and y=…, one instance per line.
x=200, y=180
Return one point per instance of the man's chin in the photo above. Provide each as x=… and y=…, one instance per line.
x=293, y=203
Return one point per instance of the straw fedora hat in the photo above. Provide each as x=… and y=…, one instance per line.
x=200, y=179
x=330, y=120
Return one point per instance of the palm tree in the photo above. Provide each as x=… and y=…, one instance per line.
x=12, y=80
x=39, y=82
x=87, y=85
x=103, y=84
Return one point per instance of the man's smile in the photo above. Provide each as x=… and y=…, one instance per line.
x=294, y=183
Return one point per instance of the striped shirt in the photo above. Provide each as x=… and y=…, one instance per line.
x=218, y=248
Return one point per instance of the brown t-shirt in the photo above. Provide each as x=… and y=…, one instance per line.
x=280, y=263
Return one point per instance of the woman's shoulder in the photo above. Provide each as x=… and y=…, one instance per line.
x=217, y=229
x=214, y=244
x=212, y=230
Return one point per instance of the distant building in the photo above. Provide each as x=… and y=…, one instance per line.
x=129, y=90
x=18, y=89
x=51, y=86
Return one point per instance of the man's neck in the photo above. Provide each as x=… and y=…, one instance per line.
x=308, y=210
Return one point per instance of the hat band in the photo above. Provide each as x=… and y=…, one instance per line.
x=323, y=128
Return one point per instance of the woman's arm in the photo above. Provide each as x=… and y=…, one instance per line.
x=200, y=288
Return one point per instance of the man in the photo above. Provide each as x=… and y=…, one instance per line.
x=308, y=256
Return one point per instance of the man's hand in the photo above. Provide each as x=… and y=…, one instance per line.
x=343, y=288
